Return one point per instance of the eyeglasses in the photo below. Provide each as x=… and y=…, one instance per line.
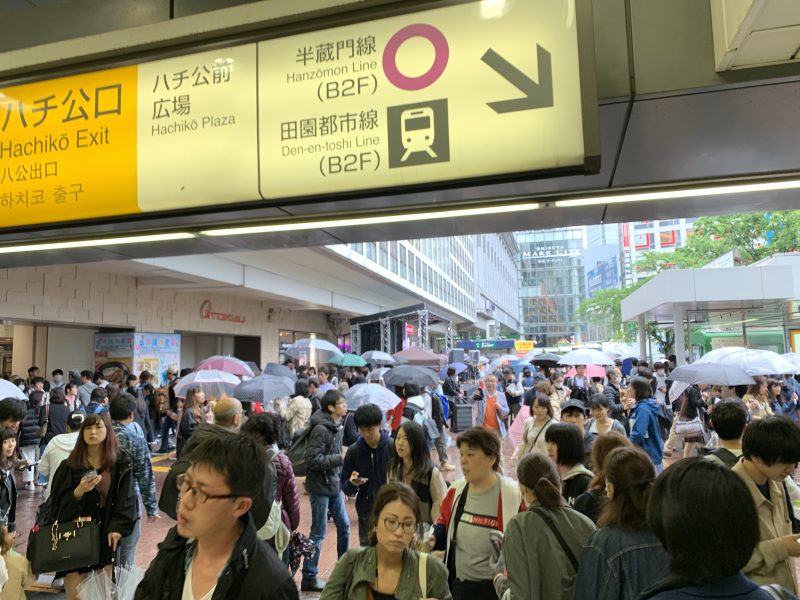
x=198, y=495
x=392, y=524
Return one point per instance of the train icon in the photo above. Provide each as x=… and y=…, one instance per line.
x=417, y=128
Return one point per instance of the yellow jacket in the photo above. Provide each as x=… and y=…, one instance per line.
x=770, y=562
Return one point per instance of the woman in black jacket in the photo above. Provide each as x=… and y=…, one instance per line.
x=8, y=486
x=96, y=481
x=29, y=438
x=54, y=415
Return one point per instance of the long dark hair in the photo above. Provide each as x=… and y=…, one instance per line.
x=632, y=474
x=7, y=433
x=79, y=457
x=538, y=473
x=602, y=447
x=420, y=455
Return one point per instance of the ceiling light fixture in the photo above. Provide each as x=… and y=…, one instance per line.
x=744, y=188
x=66, y=245
x=380, y=220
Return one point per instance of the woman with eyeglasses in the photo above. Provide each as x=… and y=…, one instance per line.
x=95, y=482
x=389, y=568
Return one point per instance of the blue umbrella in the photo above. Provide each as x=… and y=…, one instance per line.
x=458, y=366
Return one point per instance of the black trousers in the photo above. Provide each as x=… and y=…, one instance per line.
x=474, y=590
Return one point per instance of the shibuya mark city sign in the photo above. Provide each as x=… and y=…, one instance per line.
x=459, y=93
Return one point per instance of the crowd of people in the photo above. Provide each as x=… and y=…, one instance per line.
x=591, y=509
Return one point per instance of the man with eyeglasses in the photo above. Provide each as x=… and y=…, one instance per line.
x=214, y=552
x=227, y=421
x=324, y=465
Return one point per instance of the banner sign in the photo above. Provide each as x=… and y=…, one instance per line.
x=463, y=92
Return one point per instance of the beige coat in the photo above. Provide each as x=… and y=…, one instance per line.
x=770, y=562
x=297, y=414
x=19, y=575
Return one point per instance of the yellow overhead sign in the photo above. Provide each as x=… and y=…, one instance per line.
x=68, y=148
x=523, y=345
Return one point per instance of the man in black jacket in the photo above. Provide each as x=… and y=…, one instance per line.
x=324, y=465
x=214, y=548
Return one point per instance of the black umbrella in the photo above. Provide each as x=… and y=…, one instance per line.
x=422, y=376
x=547, y=359
x=280, y=371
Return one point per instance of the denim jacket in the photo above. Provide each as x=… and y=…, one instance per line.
x=619, y=564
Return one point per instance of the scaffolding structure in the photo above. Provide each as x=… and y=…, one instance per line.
x=389, y=324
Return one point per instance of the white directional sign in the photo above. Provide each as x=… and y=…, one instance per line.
x=467, y=91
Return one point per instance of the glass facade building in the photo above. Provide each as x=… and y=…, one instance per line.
x=552, y=284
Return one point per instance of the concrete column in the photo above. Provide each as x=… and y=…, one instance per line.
x=23, y=350
x=680, y=335
x=642, y=338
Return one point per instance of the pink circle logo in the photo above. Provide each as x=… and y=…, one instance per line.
x=441, y=56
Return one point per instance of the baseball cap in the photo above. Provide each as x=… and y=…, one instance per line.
x=573, y=405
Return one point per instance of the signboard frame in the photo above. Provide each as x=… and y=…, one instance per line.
x=318, y=21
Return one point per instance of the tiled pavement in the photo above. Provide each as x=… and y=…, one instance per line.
x=152, y=534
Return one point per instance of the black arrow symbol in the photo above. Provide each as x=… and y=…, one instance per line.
x=537, y=95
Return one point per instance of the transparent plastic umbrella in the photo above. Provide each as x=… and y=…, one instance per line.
x=304, y=347
x=229, y=364
x=379, y=358
x=754, y=362
x=371, y=393
x=585, y=356
x=214, y=384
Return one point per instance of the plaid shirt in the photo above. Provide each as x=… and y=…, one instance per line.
x=139, y=454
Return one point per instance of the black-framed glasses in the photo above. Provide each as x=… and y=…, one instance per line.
x=392, y=524
x=198, y=495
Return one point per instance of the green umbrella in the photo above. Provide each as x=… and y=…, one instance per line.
x=350, y=360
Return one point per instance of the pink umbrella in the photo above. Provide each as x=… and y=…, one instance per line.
x=591, y=371
x=518, y=426
x=229, y=364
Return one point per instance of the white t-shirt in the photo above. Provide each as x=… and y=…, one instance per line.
x=187, y=587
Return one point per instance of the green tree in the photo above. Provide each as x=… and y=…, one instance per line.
x=755, y=236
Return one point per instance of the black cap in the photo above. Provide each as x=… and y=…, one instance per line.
x=573, y=404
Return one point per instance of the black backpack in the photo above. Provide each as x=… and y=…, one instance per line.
x=297, y=451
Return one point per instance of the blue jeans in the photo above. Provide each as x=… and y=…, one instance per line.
x=127, y=545
x=320, y=505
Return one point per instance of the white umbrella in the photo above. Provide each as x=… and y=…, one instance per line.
x=792, y=357
x=711, y=374
x=214, y=383
x=753, y=362
x=585, y=356
x=9, y=390
x=379, y=358
x=677, y=389
x=305, y=346
x=371, y=393
x=377, y=374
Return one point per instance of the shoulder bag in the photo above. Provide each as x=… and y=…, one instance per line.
x=42, y=431
x=64, y=546
x=548, y=520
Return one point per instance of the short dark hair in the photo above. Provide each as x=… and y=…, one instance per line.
x=710, y=548
x=36, y=380
x=569, y=441
x=301, y=387
x=98, y=395
x=69, y=385
x=131, y=377
x=35, y=398
x=13, y=409
x=641, y=388
x=643, y=371
x=122, y=407
x=75, y=420
x=145, y=376
x=772, y=439
x=263, y=427
x=411, y=389
x=599, y=401
x=451, y=371
x=313, y=381
x=87, y=374
x=324, y=369
x=729, y=418
x=32, y=369
x=368, y=415
x=389, y=493
x=544, y=401
x=238, y=458
x=484, y=440
x=57, y=372
x=330, y=398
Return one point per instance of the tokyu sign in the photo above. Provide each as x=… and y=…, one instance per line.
x=473, y=90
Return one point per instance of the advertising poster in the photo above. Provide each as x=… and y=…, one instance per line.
x=113, y=356
x=157, y=352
